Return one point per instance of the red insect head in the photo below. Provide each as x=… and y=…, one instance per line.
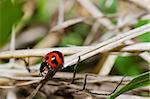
x=52, y=60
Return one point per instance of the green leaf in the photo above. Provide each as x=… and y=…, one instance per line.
x=10, y=14
x=139, y=81
x=129, y=65
x=108, y=6
x=42, y=12
x=72, y=39
x=45, y=10
x=142, y=22
x=146, y=36
x=75, y=35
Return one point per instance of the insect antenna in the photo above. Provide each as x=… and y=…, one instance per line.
x=26, y=63
x=105, y=94
x=75, y=70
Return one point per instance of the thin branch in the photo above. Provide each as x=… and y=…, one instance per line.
x=19, y=78
x=92, y=33
x=146, y=56
x=20, y=84
x=67, y=50
x=48, y=76
x=143, y=4
x=107, y=64
x=108, y=44
x=39, y=52
x=66, y=24
x=12, y=44
x=61, y=12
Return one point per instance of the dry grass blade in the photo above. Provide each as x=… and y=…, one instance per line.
x=66, y=24
x=107, y=65
x=137, y=47
x=146, y=56
x=143, y=4
x=108, y=45
x=20, y=84
x=67, y=50
x=20, y=78
x=39, y=52
x=61, y=12
x=96, y=13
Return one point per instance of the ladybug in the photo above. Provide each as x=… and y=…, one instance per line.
x=52, y=61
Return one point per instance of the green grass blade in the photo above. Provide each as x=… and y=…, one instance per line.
x=139, y=81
